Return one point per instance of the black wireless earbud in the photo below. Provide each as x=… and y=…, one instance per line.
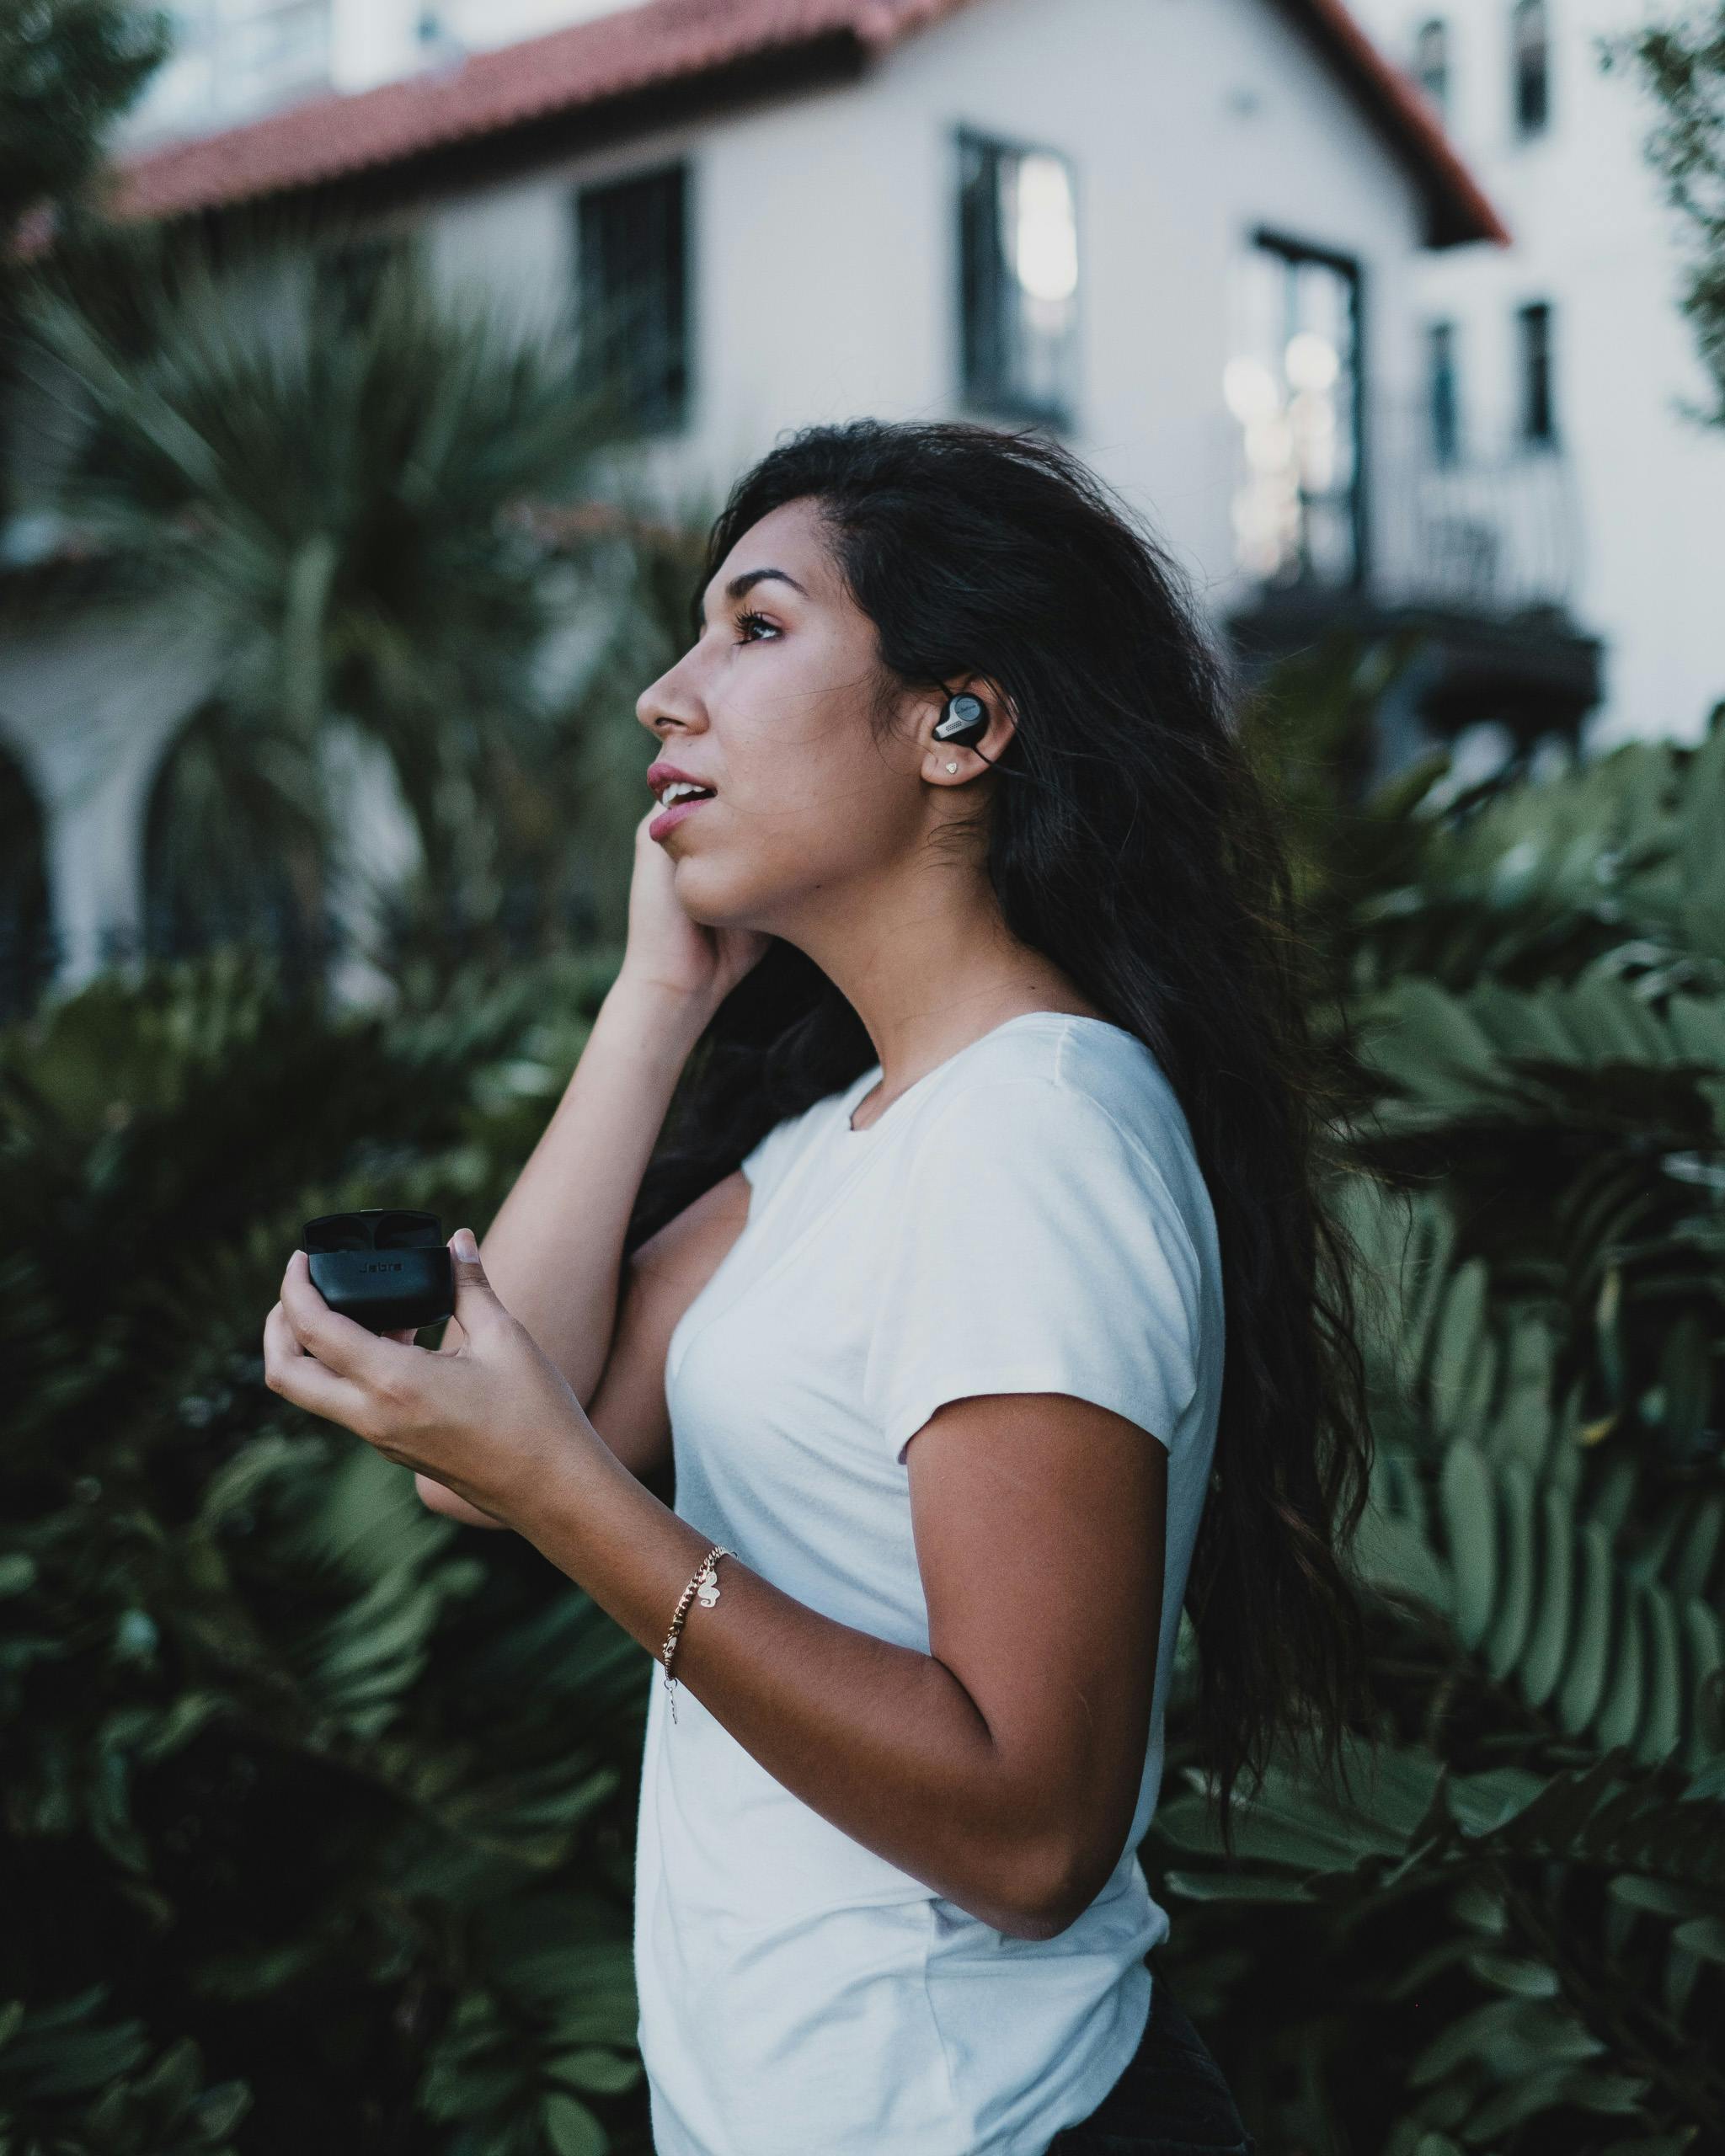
x=964, y=721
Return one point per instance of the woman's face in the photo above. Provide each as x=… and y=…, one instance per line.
x=770, y=707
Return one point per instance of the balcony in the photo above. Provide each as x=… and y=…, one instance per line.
x=1475, y=543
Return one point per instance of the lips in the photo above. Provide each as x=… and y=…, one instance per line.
x=667, y=819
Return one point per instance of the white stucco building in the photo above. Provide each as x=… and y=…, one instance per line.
x=1573, y=335
x=1187, y=235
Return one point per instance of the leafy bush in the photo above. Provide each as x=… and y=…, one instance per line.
x=364, y=500
x=319, y=1812
x=1515, y=1942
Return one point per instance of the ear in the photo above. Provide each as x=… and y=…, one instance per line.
x=1002, y=724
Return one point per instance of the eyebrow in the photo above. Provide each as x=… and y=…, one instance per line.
x=740, y=585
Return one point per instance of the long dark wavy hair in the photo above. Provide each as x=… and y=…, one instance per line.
x=1129, y=838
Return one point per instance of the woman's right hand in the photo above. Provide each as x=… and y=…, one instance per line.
x=665, y=949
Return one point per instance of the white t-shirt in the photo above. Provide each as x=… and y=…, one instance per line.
x=1028, y=1217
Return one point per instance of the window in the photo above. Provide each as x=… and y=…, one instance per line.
x=1431, y=61
x=632, y=275
x=350, y=273
x=1538, y=415
x=1442, y=397
x=1530, y=62
x=1294, y=384
x=1018, y=279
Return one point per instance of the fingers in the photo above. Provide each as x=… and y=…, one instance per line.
x=476, y=1303
x=339, y=1345
x=301, y=1378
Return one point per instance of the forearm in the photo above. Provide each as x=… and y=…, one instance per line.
x=881, y=1740
x=554, y=1252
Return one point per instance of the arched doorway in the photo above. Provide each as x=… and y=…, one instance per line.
x=233, y=854
x=27, y=954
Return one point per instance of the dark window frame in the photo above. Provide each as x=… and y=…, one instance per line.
x=1536, y=360
x=983, y=281
x=646, y=404
x=1443, y=391
x=1530, y=68
x=349, y=270
x=1293, y=249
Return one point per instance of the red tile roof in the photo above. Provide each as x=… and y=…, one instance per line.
x=679, y=41
x=1457, y=206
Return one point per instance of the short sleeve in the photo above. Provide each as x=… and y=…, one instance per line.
x=1038, y=1248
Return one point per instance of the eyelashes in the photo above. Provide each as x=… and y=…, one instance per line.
x=749, y=619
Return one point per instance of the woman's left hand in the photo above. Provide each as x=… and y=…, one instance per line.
x=494, y=1421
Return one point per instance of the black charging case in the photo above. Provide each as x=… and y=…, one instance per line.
x=381, y=1268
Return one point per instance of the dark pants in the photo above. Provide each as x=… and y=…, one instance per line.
x=1172, y=2100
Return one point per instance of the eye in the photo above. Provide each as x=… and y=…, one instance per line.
x=749, y=619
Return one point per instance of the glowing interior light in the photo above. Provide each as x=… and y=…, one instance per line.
x=1044, y=231
x=1269, y=445
x=1250, y=390
x=1311, y=361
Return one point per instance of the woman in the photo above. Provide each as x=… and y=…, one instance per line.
x=984, y=1291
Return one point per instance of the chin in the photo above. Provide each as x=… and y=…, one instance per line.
x=704, y=894
x=716, y=895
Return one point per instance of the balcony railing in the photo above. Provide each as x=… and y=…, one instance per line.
x=1492, y=529
x=1495, y=528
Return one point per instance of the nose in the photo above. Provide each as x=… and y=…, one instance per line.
x=667, y=698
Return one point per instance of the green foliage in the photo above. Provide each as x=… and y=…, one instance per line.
x=649, y=589
x=1681, y=62
x=1512, y=1938
x=68, y=69
x=319, y=1811
x=362, y=514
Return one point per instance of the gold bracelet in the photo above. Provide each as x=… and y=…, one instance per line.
x=705, y=1585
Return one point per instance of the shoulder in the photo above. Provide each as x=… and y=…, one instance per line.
x=1046, y=1199
x=1081, y=1112
x=1121, y=1077
x=1071, y=1083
